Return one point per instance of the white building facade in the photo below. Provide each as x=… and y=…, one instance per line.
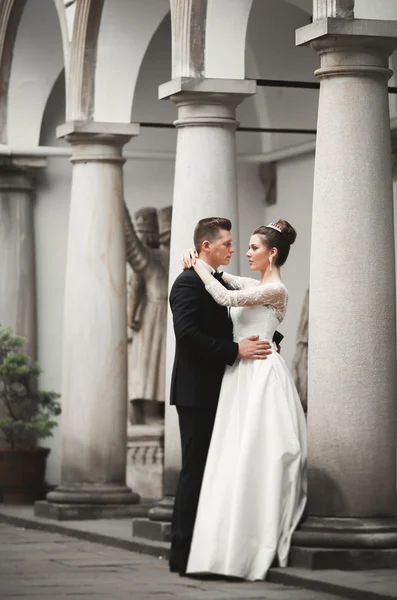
x=82, y=80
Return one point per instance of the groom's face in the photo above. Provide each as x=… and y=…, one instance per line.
x=222, y=249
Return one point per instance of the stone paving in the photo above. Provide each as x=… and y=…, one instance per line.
x=40, y=565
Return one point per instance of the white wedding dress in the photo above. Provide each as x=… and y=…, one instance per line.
x=254, y=488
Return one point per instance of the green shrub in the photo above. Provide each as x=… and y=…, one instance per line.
x=26, y=413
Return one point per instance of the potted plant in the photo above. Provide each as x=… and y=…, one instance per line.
x=26, y=415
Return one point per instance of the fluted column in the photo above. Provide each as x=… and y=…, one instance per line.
x=352, y=350
x=17, y=251
x=205, y=185
x=94, y=373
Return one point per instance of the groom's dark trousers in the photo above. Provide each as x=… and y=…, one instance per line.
x=204, y=346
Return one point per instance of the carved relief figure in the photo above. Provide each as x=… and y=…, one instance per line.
x=148, y=242
x=147, y=230
x=300, y=362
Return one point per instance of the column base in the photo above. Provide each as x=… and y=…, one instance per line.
x=319, y=559
x=163, y=510
x=151, y=530
x=346, y=544
x=97, y=494
x=158, y=524
x=87, y=512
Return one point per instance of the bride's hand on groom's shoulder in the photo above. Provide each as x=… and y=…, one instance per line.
x=189, y=258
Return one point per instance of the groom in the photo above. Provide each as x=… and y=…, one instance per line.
x=204, y=346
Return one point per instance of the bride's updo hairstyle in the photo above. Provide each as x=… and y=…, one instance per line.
x=276, y=239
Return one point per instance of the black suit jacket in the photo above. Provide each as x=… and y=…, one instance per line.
x=204, y=342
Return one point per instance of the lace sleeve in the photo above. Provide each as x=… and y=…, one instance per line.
x=239, y=283
x=268, y=294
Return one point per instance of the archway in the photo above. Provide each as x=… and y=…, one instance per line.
x=36, y=64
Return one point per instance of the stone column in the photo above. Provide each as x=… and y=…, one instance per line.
x=17, y=251
x=94, y=373
x=352, y=350
x=205, y=185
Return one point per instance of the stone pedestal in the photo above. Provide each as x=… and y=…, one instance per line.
x=205, y=185
x=145, y=460
x=94, y=374
x=352, y=351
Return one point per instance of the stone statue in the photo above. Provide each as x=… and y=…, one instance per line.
x=299, y=364
x=147, y=230
x=148, y=247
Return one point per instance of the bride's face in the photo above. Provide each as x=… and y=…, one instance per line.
x=258, y=254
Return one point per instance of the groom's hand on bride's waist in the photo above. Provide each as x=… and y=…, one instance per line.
x=253, y=348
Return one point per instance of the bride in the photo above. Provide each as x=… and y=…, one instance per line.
x=254, y=488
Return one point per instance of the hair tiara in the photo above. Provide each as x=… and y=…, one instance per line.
x=274, y=226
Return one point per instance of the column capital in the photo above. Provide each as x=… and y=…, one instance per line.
x=203, y=102
x=17, y=172
x=97, y=141
x=19, y=163
x=96, y=131
x=205, y=89
x=364, y=33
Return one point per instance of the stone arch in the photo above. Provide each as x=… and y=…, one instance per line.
x=132, y=23
x=10, y=16
x=271, y=39
x=66, y=18
x=305, y=5
x=80, y=76
x=31, y=60
x=363, y=9
x=200, y=29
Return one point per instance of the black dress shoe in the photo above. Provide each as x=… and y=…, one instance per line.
x=175, y=568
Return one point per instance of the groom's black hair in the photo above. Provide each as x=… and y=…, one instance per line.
x=208, y=229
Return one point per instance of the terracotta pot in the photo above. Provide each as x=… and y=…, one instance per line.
x=22, y=474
